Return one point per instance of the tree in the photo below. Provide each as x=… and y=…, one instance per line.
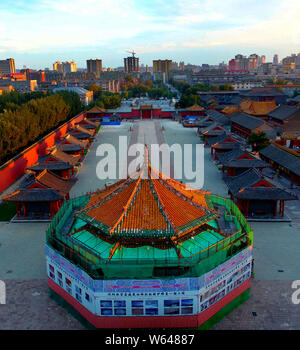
x=97, y=90
x=258, y=141
x=21, y=123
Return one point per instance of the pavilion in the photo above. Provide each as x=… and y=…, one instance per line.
x=146, y=252
x=60, y=168
x=256, y=196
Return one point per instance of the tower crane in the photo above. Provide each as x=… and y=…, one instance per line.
x=132, y=52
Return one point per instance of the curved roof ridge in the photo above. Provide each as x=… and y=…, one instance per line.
x=127, y=205
x=117, y=190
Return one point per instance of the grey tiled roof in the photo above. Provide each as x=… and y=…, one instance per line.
x=265, y=193
x=68, y=147
x=283, y=158
x=283, y=112
x=247, y=121
x=244, y=180
x=246, y=163
x=220, y=138
x=233, y=155
x=34, y=195
x=217, y=116
x=50, y=166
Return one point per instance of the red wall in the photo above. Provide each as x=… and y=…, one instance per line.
x=14, y=168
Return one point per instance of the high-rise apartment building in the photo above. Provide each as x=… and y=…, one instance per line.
x=276, y=59
x=69, y=67
x=65, y=67
x=94, y=66
x=253, y=61
x=131, y=64
x=162, y=66
x=57, y=66
x=7, y=66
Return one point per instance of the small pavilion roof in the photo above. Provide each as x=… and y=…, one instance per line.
x=232, y=155
x=33, y=195
x=80, y=135
x=226, y=145
x=220, y=138
x=83, y=129
x=216, y=116
x=53, y=181
x=64, y=157
x=265, y=193
x=195, y=108
x=212, y=133
x=246, y=163
x=88, y=126
x=70, y=147
x=92, y=122
x=244, y=180
x=96, y=109
x=70, y=138
x=51, y=166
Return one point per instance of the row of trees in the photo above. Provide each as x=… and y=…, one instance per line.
x=23, y=124
x=104, y=99
x=148, y=88
x=18, y=98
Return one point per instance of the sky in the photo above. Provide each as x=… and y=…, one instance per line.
x=39, y=32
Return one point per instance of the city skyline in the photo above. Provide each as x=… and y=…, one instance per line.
x=192, y=31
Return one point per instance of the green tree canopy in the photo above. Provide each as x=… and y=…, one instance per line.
x=258, y=141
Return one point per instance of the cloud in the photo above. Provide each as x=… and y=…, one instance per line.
x=109, y=27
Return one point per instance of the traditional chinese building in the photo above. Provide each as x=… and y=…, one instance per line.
x=265, y=94
x=283, y=160
x=148, y=252
x=36, y=203
x=41, y=196
x=244, y=125
x=62, y=169
x=257, y=197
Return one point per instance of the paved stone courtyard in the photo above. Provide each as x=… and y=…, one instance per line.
x=276, y=251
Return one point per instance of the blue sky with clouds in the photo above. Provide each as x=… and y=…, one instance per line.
x=38, y=32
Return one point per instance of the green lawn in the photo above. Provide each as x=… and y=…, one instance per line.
x=7, y=211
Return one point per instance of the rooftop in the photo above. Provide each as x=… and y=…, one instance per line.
x=33, y=195
x=247, y=121
x=284, y=112
x=146, y=220
x=282, y=157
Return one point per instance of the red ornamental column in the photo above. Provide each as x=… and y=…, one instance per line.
x=24, y=210
x=282, y=208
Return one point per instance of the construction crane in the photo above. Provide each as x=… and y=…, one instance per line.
x=132, y=52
